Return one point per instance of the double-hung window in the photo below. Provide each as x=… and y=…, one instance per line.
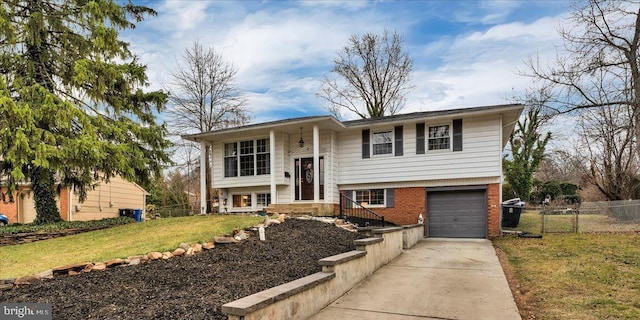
x=247, y=158
x=439, y=137
x=231, y=159
x=382, y=142
x=263, y=199
x=372, y=197
x=262, y=156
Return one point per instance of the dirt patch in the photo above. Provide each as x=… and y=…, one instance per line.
x=520, y=294
x=193, y=287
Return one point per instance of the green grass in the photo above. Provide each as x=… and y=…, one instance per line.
x=117, y=242
x=578, y=276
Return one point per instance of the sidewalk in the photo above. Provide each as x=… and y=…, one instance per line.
x=436, y=279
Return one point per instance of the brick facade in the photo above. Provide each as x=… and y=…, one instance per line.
x=10, y=209
x=411, y=202
x=493, y=210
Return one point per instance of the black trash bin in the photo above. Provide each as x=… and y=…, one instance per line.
x=511, y=211
x=126, y=212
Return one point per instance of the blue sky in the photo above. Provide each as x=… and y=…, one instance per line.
x=465, y=53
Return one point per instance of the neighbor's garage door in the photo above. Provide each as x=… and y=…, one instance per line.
x=457, y=214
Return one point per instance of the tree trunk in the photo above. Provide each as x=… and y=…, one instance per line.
x=42, y=185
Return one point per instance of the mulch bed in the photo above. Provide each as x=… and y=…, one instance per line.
x=193, y=287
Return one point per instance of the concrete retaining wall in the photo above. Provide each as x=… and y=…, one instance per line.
x=303, y=298
x=412, y=234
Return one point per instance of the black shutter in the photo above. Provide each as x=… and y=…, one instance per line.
x=398, y=137
x=420, y=138
x=348, y=195
x=457, y=134
x=391, y=199
x=365, y=144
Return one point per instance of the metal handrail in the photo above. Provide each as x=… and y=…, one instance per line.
x=358, y=214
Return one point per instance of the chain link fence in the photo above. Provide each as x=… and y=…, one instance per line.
x=603, y=216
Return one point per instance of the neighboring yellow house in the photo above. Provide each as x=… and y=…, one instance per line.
x=104, y=201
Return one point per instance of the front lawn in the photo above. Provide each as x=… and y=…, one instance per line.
x=117, y=242
x=576, y=276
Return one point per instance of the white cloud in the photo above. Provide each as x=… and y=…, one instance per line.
x=481, y=68
x=282, y=50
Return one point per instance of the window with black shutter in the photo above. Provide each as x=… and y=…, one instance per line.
x=420, y=138
x=457, y=135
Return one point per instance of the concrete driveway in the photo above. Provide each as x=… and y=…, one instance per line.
x=436, y=279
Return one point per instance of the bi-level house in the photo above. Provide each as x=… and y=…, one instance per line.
x=444, y=165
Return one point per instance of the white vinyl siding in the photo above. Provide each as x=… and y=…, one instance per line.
x=480, y=156
x=287, y=149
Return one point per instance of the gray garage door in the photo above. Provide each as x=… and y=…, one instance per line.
x=457, y=214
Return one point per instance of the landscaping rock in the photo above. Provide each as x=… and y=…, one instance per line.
x=48, y=274
x=134, y=262
x=73, y=273
x=115, y=263
x=274, y=221
x=189, y=252
x=167, y=255
x=99, y=266
x=76, y=267
x=142, y=258
x=240, y=235
x=88, y=268
x=184, y=246
x=224, y=240
x=208, y=246
x=6, y=286
x=281, y=217
x=178, y=252
x=26, y=280
x=197, y=248
x=154, y=255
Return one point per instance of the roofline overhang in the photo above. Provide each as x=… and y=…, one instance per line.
x=448, y=113
x=360, y=123
x=265, y=125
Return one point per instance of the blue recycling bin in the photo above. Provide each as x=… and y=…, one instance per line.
x=137, y=215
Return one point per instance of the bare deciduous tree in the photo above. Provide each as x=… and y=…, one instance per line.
x=204, y=95
x=205, y=98
x=372, y=77
x=597, y=72
x=608, y=148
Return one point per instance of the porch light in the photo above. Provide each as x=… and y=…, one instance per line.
x=301, y=142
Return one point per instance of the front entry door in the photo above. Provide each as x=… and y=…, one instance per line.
x=304, y=178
